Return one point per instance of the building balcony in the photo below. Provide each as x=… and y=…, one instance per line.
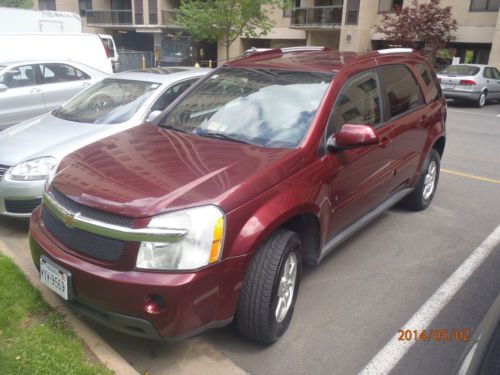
x=109, y=18
x=320, y=17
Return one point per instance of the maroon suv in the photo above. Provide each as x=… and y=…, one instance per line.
x=271, y=161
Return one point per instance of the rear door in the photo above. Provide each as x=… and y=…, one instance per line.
x=359, y=177
x=60, y=82
x=409, y=119
x=23, y=98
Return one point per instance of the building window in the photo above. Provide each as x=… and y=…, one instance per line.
x=484, y=5
x=385, y=6
x=153, y=12
x=352, y=12
x=287, y=9
x=47, y=4
x=84, y=5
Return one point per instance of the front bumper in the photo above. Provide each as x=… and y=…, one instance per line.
x=19, y=198
x=115, y=297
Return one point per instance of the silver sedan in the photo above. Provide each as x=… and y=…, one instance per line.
x=31, y=88
x=473, y=82
x=30, y=152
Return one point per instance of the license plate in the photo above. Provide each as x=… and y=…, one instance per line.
x=448, y=86
x=55, y=277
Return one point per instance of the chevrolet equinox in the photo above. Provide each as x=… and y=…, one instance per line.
x=207, y=215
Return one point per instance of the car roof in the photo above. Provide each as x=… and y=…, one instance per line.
x=317, y=59
x=166, y=77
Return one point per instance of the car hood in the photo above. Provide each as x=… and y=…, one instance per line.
x=146, y=171
x=48, y=135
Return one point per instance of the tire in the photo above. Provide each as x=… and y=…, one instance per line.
x=257, y=314
x=481, y=101
x=421, y=197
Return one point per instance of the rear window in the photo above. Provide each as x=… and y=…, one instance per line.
x=400, y=88
x=430, y=81
x=461, y=70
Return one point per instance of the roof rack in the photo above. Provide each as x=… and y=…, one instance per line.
x=304, y=49
x=395, y=50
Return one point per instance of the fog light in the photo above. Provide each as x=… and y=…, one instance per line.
x=154, y=304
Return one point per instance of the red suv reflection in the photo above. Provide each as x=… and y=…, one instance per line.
x=271, y=161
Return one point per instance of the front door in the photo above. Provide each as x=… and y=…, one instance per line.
x=359, y=177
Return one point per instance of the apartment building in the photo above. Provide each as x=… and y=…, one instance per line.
x=346, y=25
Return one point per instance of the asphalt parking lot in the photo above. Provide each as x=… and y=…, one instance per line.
x=354, y=303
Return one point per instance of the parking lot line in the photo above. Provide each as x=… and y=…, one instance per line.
x=472, y=113
x=387, y=358
x=461, y=174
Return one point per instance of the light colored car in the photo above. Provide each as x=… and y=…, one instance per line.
x=31, y=151
x=31, y=88
x=473, y=82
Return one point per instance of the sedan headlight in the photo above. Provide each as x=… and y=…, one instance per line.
x=200, y=246
x=34, y=169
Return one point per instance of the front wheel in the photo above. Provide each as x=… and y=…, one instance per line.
x=420, y=198
x=270, y=288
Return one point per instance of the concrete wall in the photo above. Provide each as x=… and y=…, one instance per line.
x=495, y=48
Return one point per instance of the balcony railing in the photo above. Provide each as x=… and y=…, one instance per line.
x=109, y=17
x=168, y=17
x=317, y=17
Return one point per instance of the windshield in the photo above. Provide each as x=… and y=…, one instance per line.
x=461, y=70
x=269, y=108
x=110, y=101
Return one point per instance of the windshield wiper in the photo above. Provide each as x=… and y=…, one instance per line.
x=171, y=127
x=221, y=136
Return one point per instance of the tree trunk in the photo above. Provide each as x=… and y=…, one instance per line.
x=227, y=50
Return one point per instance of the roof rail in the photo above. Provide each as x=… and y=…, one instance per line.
x=395, y=50
x=304, y=49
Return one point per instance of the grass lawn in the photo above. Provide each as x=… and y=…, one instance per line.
x=34, y=339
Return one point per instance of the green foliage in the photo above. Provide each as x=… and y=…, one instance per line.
x=33, y=338
x=226, y=20
x=27, y=4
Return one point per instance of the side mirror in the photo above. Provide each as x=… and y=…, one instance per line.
x=352, y=136
x=3, y=87
x=153, y=115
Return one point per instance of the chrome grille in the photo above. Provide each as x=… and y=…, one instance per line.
x=90, y=212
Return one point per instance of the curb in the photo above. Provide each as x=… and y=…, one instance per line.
x=105, y=353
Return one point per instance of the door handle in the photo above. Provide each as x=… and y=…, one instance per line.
x=86, y=84
x=34, y=91
x=384, y=141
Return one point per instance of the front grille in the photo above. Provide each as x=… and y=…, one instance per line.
x=91, y=213
x=3, y=169
x=21, y=206
x=85, y=243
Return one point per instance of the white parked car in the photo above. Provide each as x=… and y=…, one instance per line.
x=31, y=88
x=31, y=151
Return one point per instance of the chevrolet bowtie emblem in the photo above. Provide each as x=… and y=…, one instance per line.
x=70, y=219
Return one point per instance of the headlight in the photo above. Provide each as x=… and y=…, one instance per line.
x=35, y=169
x=201, y=245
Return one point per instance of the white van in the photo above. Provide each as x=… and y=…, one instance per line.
x=83, y=48
x=112, y=53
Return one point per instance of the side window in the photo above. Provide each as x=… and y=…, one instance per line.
x=430, y=80
x=487, y=73
x=401, y=89
x=20, y=76
x=496, y=73
x=56, y=73
x=357, y=103
x=171, y=94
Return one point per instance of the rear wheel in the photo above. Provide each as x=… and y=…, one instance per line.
x=420, y=198
x=270, y=288
x=481, y=101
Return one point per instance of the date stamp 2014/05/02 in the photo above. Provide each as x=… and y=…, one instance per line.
x=435, y=334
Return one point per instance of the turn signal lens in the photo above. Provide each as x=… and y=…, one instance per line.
x=217, y=242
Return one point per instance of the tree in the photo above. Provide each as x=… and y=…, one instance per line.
x=421, y=23
x=16, y=3
x=226, y=20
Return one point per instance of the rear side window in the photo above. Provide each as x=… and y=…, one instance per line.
x=56, y=73
x=491, y=73
x=430, y=81
x=401, y=89
x=357, y=103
